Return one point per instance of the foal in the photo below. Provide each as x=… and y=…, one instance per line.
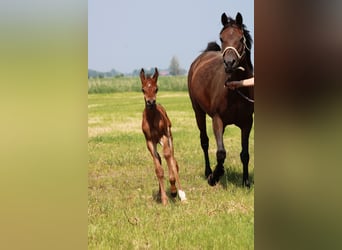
x=157, y=129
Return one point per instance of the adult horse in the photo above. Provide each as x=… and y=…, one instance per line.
x=207, y=79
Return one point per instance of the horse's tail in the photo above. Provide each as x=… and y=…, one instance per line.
x=212, y=46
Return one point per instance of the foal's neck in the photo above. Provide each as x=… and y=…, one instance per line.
x=152, y=112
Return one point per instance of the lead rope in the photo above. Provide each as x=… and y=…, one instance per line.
x=240, y=93
x=245, y=97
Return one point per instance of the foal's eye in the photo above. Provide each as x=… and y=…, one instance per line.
x=156, y=90
x=142, y=90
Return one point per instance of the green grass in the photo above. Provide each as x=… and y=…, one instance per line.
x=122, y=208
x=124, y=84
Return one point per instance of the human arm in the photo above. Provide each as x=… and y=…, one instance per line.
x=242, y=83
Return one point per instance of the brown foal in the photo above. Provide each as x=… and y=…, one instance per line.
x=157, y=129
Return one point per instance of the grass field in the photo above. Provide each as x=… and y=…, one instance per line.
x=124, y=84
x=123, y=212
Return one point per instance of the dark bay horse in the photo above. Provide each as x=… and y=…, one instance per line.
x=156, y=127
x=207, y=79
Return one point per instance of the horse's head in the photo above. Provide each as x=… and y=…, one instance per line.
x=149, y=88
x=233, y=41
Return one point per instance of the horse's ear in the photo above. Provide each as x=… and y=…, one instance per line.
x=142, y=75
x=224, y=19
x=238, y=19
x=156, y=74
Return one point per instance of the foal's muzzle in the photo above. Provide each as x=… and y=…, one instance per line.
x=150, y=104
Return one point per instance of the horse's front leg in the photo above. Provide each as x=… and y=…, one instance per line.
x=152, y=147
x=220, y=153
x=244, y=155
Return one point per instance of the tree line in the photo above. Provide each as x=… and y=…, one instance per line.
x=174, y=69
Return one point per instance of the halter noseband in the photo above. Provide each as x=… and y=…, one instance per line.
x=236, y=53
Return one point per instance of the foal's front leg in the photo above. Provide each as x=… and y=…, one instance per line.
x=152, y=147
x=171, y=163
x=173, y=167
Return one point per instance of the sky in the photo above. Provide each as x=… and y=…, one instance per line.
x=131, y=34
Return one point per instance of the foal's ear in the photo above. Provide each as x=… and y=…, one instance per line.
x=142, y=75
x=224, y=19
x=238, y=19
x=156, y=74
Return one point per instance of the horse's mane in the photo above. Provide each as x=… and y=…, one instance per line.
x=212, y=46
x=231, y=22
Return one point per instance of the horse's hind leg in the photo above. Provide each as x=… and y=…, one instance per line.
x=244, y=155
x=220, y=153
x=201, y=124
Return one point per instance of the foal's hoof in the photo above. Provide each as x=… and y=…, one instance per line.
x=174, y=195
x=182, y=196
x=211, y=180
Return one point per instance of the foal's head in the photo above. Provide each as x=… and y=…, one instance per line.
x=149, y=88
x=235, y=41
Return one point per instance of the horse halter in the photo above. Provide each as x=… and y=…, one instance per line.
x=239, y=67
x=237, y=54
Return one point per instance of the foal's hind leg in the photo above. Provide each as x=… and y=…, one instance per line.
x=171, y=163
x=173, y=168
x=244, y=155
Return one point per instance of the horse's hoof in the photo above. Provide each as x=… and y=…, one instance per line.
x=211, y=181
x=208, y=173
x=246, y=184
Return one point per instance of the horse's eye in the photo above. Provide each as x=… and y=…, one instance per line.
x=156, y=90
x=221, y=40
x=143, y=91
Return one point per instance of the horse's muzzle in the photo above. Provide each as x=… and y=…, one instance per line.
x=230, y=66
